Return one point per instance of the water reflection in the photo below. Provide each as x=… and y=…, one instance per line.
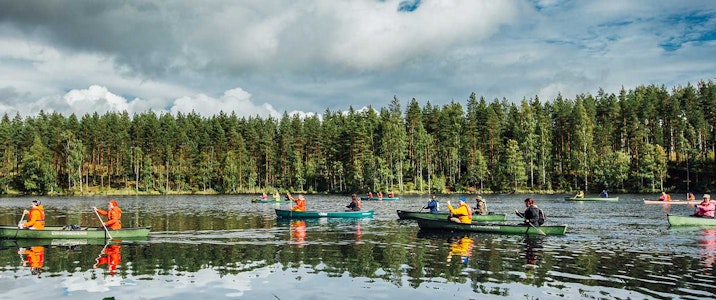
x=298, y=233
x=460, y=247
x=707, y=242
x=111, y=256
x=33, y=257
x=533, y=250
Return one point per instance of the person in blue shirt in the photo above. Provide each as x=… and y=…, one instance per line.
x=605, y=194
x=433, y=205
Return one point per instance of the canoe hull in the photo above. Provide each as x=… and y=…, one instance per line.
x=613, y=199
x=490, y=228
x=285, y=213
x=646, y=201
x=691, y=221
x=406, y=215
x=380, y=199
x=59, y=232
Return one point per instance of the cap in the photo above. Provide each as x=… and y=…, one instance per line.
x=707, y=196
x=462, y=199
x=478, y=198
x=36, y=202
x=113, y=202
x=301, y=197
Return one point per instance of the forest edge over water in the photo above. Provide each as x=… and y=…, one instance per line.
x=642, y=140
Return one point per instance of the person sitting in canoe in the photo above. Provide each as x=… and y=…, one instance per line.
x=355, y=204
x=690, y=196
x=113, y=213
x=433, y=205
x=264, y=197
x=665, y=197
x=705, y=208
x=533, y=214
x=391, y=195
x=300, y=203
x=461, y=214
x=370, y=194
x=604, y=194
x=276, y=196
x=380, y=195
x=579, y=194
x=36, y=216
x=480, y=208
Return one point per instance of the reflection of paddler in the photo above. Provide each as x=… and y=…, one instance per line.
x=298, y=232
x=461, y=247
x=112, y=257
x=359, y=234
x=707, y=241
x=35, y=258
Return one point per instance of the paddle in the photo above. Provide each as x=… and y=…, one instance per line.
x=530, y=223
x=20, y=223
x=100, y=220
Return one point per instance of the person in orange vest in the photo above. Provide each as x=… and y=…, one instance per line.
x=35, y=258
x=112, y=257
x=36, y=215
x=380, y=195
x=113, y=213
x=391, y=195
x=300, y=202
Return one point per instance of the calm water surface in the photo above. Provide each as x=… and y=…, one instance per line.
x=209, y=247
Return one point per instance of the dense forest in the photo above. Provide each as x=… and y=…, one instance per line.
x=642, y=140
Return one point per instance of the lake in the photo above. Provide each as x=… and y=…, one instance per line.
x=213, y=247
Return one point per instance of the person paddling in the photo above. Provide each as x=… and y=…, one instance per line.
x=113, y=213
x=533, y=214
x=36, y=216
x=433, y=205
x=706, y=208
x=300, y=203
x=355, y=204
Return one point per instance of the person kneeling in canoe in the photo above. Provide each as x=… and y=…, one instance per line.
x=461, y=214
x=355, y=204
x=533, y=214
x=36, y=216
x=705, y=208
x=300, y=203
x=114, y=215
x=433, y=205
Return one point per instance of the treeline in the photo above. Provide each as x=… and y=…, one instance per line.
x=640, y=140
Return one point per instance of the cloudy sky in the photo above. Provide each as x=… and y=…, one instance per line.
x=264, y=57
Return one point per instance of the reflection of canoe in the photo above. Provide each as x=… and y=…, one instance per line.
x=614, y=199
x=691, y=221
x=60, y=232
x=270, y=201
x=380, y=199
x=50, y=242
x=285, y=213
x=404, y=214
x=670, y=202
x=489, y=228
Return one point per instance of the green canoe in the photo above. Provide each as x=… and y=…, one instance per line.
x=62, y=232
x=270, y=201
x=490, y=228
x=380, y=199
x=286, y=213
x=691, y=221
x=404, y=214
x=614, y=199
